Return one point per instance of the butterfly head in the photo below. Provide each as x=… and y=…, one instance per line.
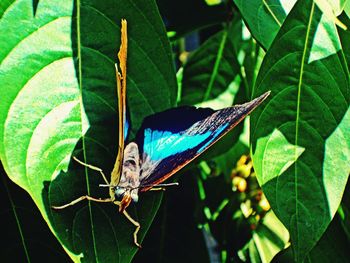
x=127, y=193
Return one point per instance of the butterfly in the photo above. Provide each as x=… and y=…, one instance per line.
x=165, y=143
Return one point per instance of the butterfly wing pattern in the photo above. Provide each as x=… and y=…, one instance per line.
x=169, y=140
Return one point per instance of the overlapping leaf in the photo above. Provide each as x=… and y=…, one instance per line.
x=303, y=130
x=58, y=81
x=268, y=239
x=264, y=18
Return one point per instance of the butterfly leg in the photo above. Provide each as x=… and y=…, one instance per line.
x=84, y=197
x=92, y=168
x=133, y=221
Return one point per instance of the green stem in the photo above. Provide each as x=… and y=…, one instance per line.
x=216, y=66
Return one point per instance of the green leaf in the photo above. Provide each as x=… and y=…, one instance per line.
x=347, y=8
x=334, y=243
x=211, y=68
x=4, y=4
x=301, y=136
x=58, y=81
x=264, y=18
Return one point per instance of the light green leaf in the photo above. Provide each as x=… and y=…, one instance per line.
x=331, y=9
x=270, y=237
x=336, y=159
x=58, y=87
x=275, y=144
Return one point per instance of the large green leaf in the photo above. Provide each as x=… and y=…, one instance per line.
x=58, y=81
x=264, y=18
x=301, y=136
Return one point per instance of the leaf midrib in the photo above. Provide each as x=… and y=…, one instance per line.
x=298, y=119
x=272, y=13
x=80, y=74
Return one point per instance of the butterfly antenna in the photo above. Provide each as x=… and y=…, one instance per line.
x=104, y=185
x=144, y=185
x=158, y=185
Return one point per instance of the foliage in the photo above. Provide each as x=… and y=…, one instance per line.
x=58, y=100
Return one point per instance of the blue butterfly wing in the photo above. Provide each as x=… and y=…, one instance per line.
x=171, y=139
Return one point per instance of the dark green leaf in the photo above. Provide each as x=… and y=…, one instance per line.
x=285, y=256
x=264, y=18
x=28, y=239
x=301, y=136
x=58, y=81
x=211, y=68
x=333, y=246
x=4, y=5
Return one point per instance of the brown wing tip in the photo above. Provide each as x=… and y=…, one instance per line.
x=251, y=105
x=257, y=101
x=263, y=96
